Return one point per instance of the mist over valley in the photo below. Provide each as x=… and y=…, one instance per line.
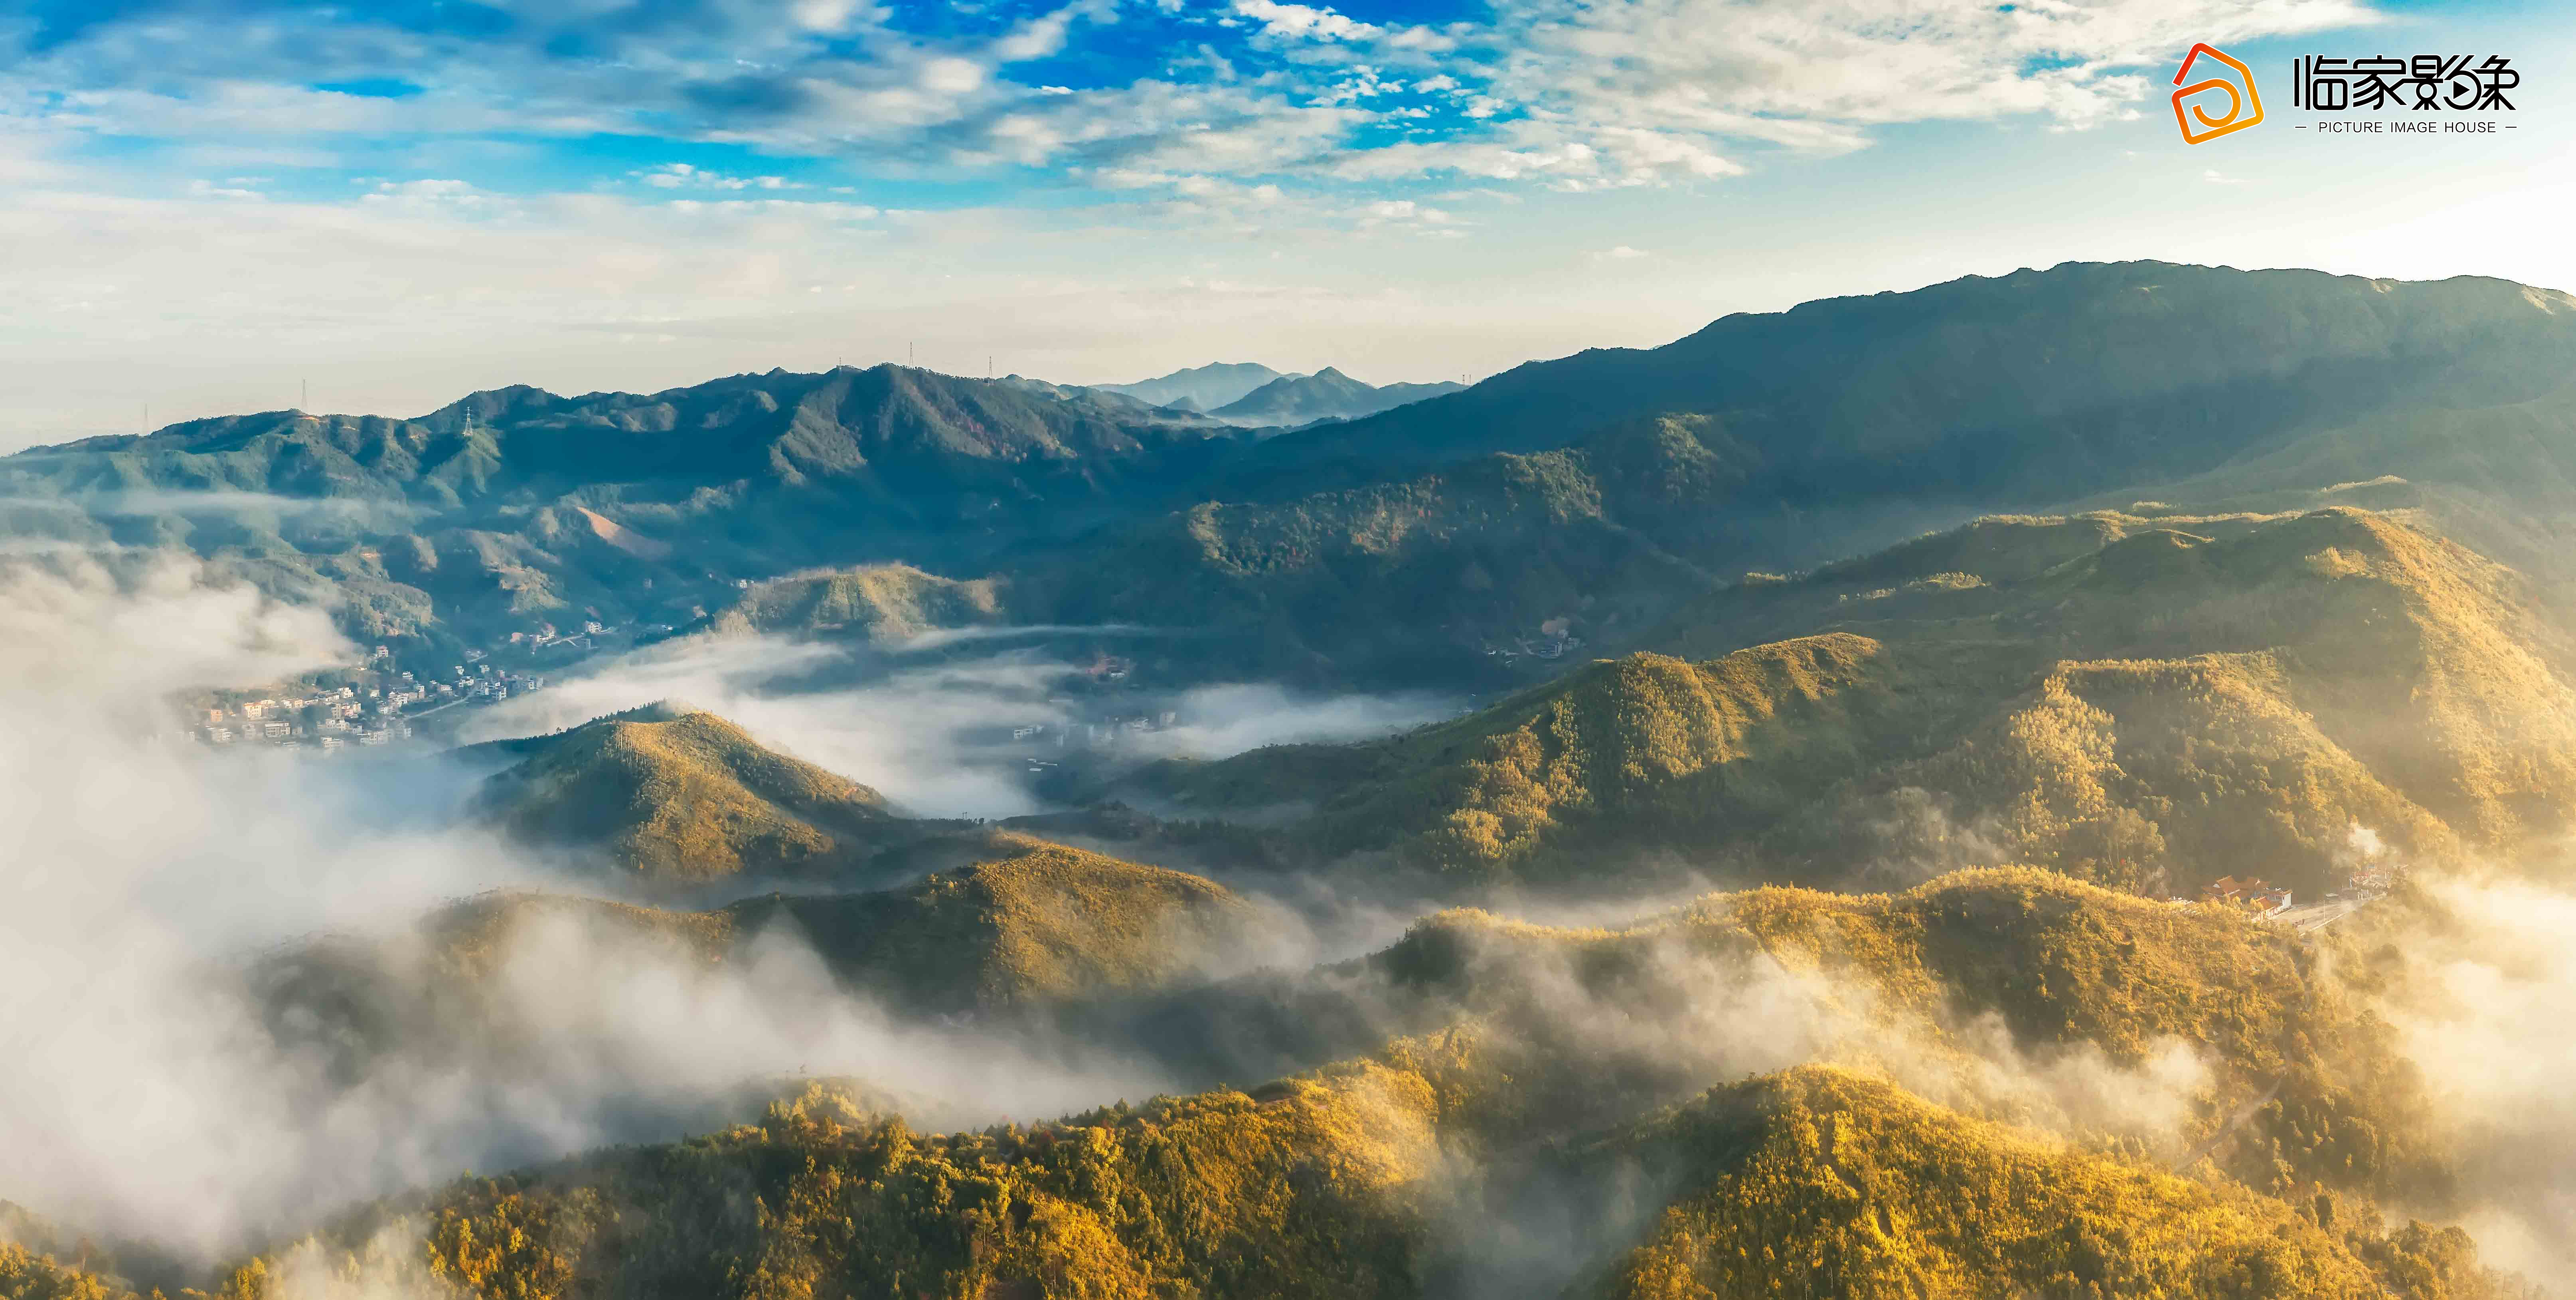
x=2053, y=784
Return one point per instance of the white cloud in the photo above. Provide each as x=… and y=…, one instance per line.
x=1293, y=21
x=673, y=176
x=205, y=189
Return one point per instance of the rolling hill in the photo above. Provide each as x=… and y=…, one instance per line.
x=1440, y=578
x=1411, y=1168
x=2123, y=698
x=1026, y=921
x=877, y=602
x=677, y=795
x=1009, y=925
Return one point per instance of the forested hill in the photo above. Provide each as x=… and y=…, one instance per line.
x=516, y=505
x=1762, y=441
x=2037, y=384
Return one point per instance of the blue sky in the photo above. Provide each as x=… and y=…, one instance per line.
x=206, y=204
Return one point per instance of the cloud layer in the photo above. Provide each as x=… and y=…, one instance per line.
x=1572, y=94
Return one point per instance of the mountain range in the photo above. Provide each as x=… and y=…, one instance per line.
x=1762, y=442
x=1199, y=388
x=1966, y=792
x=1327, y=394
x=2053, y=691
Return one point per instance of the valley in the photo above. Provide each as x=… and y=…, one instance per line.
x=2054, y=784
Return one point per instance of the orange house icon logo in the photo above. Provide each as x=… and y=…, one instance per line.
x=2242, y=110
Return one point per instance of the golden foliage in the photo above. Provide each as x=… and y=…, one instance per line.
x=1031, y=920
x=879, y=602
x=683, y=795
x=27, y=1275
x=1822, y=1183
x=2114, y=697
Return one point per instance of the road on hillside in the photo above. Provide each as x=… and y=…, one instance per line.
x=2317, y=916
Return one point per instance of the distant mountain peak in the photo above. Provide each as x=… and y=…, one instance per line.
x=1327, y=394
x=1207, y=387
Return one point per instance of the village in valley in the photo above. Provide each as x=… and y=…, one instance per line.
x=375, y=704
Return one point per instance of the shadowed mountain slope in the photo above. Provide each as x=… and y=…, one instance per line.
x=1205, y=387
x=515, y=505
x=1327, y=394
x=1435, y=578
x=2037, y=384
x=2183, y=383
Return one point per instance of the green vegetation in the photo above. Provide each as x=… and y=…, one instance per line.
x=1398, y=545
x=514, y=506
x=1219, y=1194
x=1622, y=755
x=2032, y=1076
x=2113, y=697
x=683, y=795
x=1567, y=1085
x=877, y=602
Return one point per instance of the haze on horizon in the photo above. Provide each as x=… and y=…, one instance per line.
x=208, y=207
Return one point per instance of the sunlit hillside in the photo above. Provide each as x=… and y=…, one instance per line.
x=2124, y=698
x=1363, y=1177
x=675, y=794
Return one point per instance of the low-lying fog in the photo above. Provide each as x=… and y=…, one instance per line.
x=142, y=1096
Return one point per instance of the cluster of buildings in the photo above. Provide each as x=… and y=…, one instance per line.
x=1095, y=734
x=327, y=720
x=2252, y=895
x=377, y=713
x=545, y=637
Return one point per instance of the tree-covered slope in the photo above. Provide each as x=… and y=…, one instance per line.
x=1017, y=925
x=1431, y=577
x=878, y=602
x=1327, y=394
x=1827, y=429
x=515, y=506
x=1027, y=921
x=2039, y=383
x=1403, y=1170
x=1822, y=1183
x=2124, y=698
x=676, y=794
